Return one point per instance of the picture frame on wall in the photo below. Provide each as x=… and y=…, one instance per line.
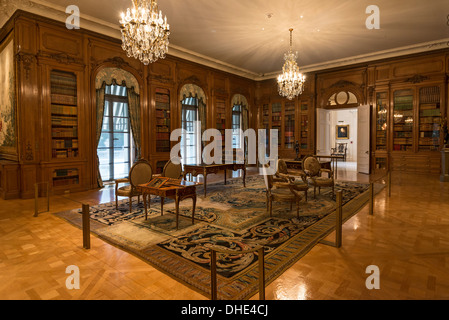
x=342, y=132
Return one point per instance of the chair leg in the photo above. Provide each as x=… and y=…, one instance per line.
x=306, y=195
x=130, y=204
x=291, y=205
x=297, y=209
x=314, y=192
x=116, y=202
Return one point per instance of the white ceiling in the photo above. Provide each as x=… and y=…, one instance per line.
x=251, y=36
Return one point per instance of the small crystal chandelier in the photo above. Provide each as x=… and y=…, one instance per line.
x=291, y=81
x=144, y=32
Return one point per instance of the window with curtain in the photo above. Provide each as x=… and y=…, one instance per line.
x=191, y=140
x=116, y=146
x=237, y=137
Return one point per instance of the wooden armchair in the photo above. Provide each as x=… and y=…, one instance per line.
x=140, y=173
x=340, y=150
x=312, y=168
x=297, y=177
x=280, y=191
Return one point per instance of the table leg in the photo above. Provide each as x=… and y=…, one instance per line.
x=193, y=209
x=205, y=181
x=145, y=204
x=225, y=175
x=244, y=177
x=177, y=209
x=162, y=206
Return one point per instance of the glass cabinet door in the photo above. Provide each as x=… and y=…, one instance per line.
x=289, y=125
x=429, y=119
x=403, y=120
x=381, y=121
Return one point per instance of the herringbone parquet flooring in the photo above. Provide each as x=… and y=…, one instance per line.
x=407, y=238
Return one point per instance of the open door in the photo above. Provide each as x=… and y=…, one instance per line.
x=323, y=132
x=363, y=139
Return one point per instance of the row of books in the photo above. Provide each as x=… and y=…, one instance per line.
x=429, y=134
x=403, y=140
x=429, y=127
x=66, y=110
x=163, y=106
x=64, y=132
x=430, y=120
x=63, y=99
x=62, y=154
x=403, y=99
x=162, y=135
x=402, y=134
x=403, y=106
x=162, y=121
x=64, y=121
x=63, y=90
x=402, y=147
x=162, y=129
x=430, y=112
x=162, y=114
x=163, y=145
x=425, y=106
x=58, y=144
x=65, y=172
x=429, y=141
x=429, y=94
x=162, y=98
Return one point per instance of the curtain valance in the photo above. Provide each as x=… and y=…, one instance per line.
x=239, y=100
x=109, y=75
x=192, y=90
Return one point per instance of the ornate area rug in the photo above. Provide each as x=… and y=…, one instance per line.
x=231, y=217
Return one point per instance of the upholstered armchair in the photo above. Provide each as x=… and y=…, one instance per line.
x=140, y=173
x=312, y=168
x=297, y=177
x=340, y=150
x=282, y=192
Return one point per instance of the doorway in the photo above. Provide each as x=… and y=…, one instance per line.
x=348, y=129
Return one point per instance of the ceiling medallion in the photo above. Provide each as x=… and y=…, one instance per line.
x=144, y=32
x=291, y=81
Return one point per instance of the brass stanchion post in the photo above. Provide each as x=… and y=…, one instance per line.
x=213, y=272
x=339, y=220
x=371, y=198
x=86, y=227
x=261, y=273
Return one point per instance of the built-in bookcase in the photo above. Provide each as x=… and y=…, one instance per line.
x=163, y=118
x=403, y=120
x=429, y=119
x=304, y=125
x=64, y=114
x=381, y=120
x=276, y=120
x=220, y=117
x=289, y=125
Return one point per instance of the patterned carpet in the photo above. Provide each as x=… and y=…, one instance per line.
x=230, y=217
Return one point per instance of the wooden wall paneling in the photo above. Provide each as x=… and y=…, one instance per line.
x=9, y=180
x=57, y=42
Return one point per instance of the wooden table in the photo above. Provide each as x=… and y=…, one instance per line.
x=330, y=164
x=205, y=169
x=174, y=189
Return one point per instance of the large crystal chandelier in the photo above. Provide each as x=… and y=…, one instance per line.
x=144, y=31
x=291, y=81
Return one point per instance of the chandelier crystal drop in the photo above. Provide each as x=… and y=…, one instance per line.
x=291, y=81
x=144, y=31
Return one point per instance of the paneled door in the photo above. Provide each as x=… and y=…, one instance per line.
x=363, y=139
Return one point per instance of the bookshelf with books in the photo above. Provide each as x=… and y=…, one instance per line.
x=163, y=119
x=381, y=120
x=429, y=119
x=65, y=177
x=276, y=120
x=304, y=125
x=220, y=118
x=64, y=114
x=403, y=120
x=266, y=124
x=289, y=125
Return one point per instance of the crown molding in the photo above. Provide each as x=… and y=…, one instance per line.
x=43, y=8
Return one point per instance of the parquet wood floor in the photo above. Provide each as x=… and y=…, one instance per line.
x=407, y=238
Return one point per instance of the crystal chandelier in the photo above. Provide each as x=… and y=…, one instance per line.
x=291, y=81
x=144, y=32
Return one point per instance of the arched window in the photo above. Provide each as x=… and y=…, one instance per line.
x=239, y=121
x=118, y=122
x=193, y=121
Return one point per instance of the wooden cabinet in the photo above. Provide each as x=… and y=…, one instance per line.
x=291, y=119
x=406, y=127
